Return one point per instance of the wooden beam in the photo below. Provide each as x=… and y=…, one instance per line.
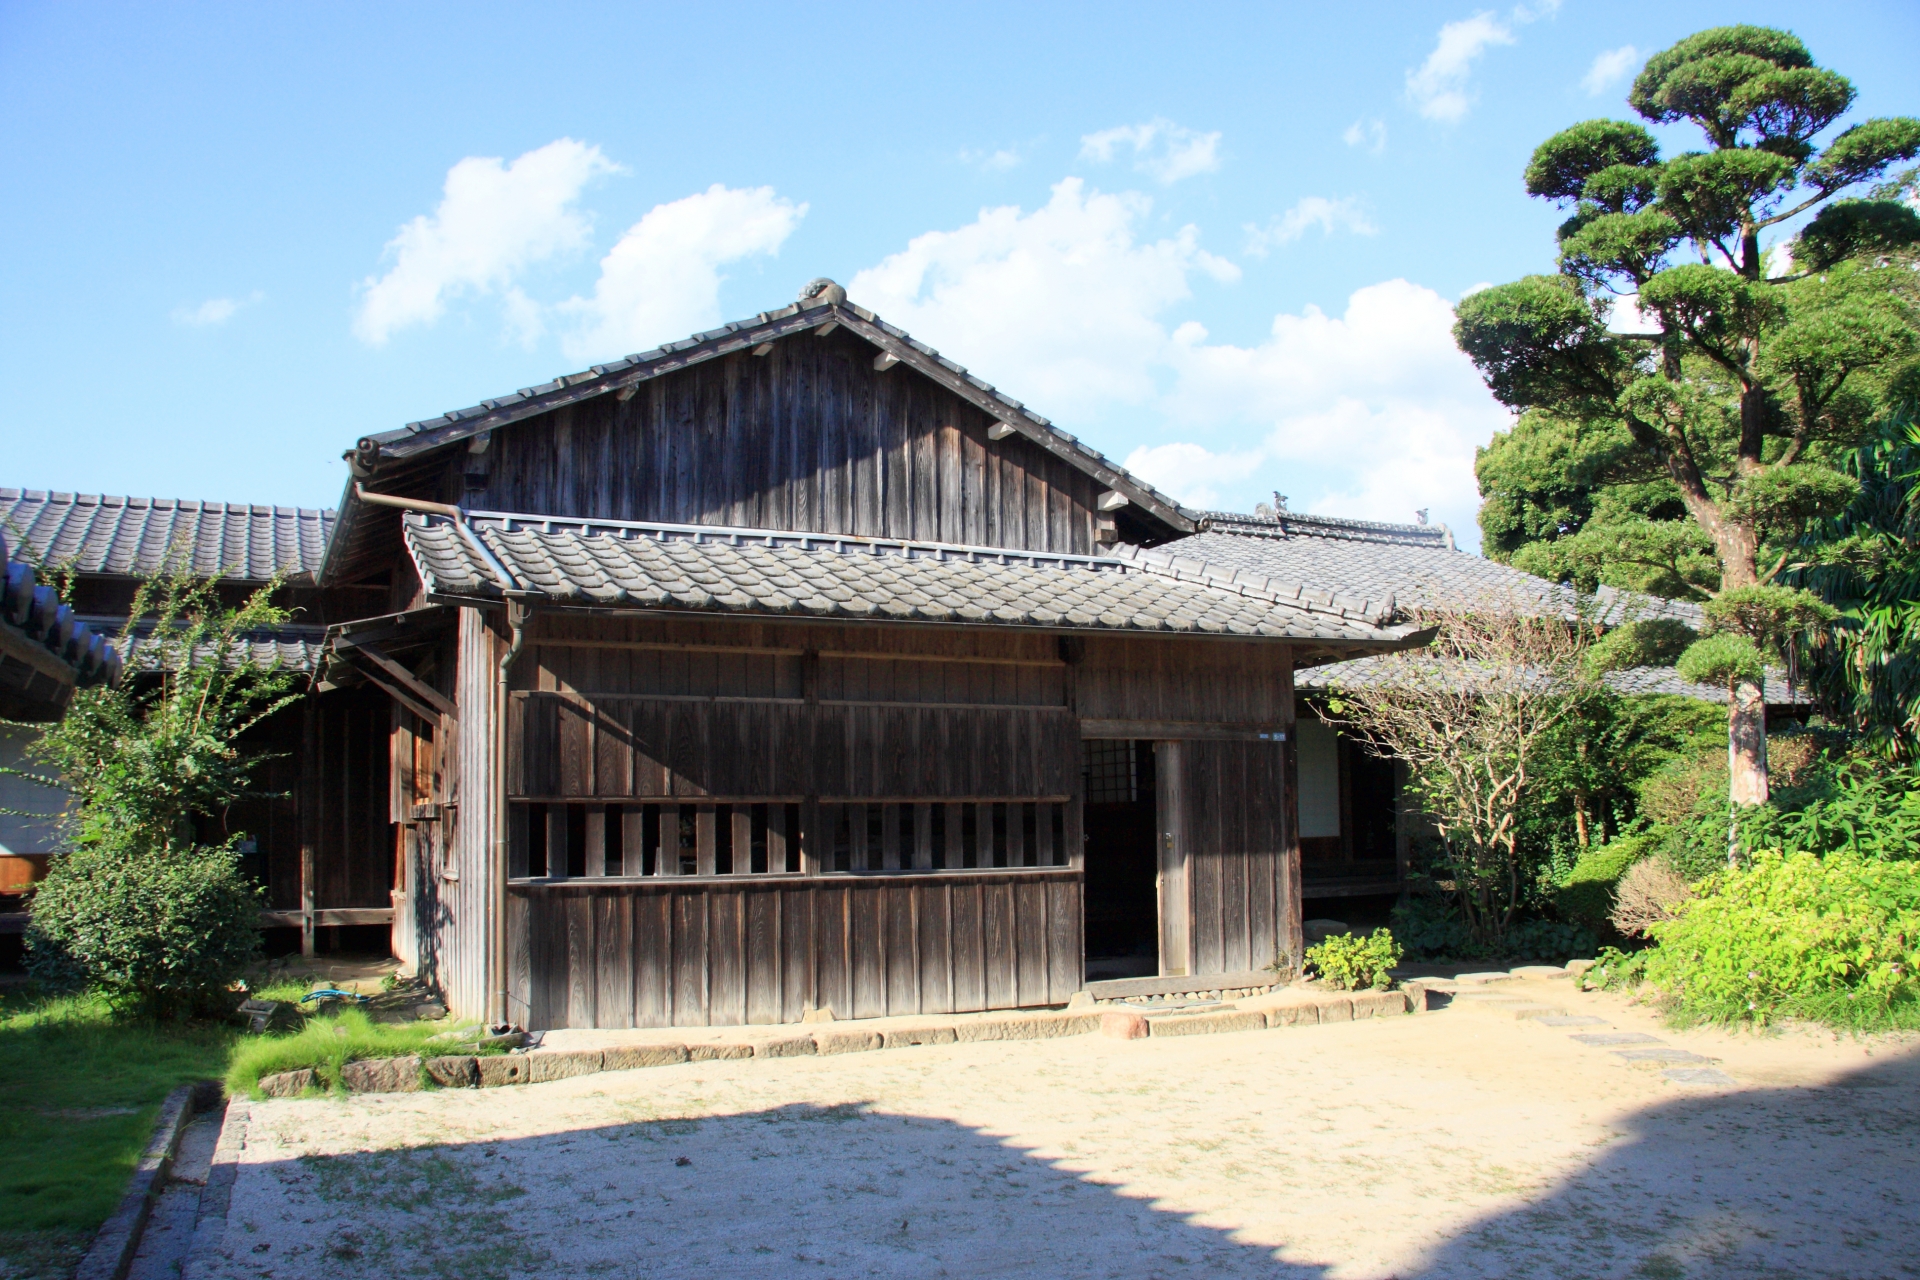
x=826, y=328
x=885, y=361
x=419, y=688
x=1112, y=500
x=1001, y=430
x=765, y=348
x=327, y=917
x=400, y=695
x=1178, y=729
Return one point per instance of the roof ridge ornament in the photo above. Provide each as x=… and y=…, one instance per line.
x=821, y=292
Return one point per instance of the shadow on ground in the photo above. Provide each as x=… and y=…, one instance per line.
x=1800, y=1182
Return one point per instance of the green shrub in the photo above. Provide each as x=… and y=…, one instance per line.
x=1349, y=961
x=1615, y=970
x=1585, y=896
x=328, y=1043
x=1547, y=940
x=160, y=934
x=1833, y=939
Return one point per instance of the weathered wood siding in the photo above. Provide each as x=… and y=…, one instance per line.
x=808, y=437
x=1189, y=681
x=453, y=904
x=619, y=954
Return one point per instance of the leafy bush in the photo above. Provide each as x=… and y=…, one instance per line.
x=159, y=933
x=1615, y=970
x=1347, y=960
x=1547, y=940
x=1428, y=930
x=329, y=1043
x=1586, y=895
x=1833, y=939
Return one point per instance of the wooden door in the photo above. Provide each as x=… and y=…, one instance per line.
x=1230, y=896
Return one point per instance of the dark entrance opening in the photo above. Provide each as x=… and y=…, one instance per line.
x=1122, y=872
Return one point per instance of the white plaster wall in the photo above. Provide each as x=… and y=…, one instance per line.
x=1319, y=757
x=24, y=835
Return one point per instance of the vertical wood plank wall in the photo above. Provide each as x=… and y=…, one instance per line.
x=452, y=915
x=808, y=437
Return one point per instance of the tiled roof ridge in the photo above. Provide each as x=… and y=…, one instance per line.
x=1246, y=582
x=65, y=497
x=795, y=317
x=1297, y=523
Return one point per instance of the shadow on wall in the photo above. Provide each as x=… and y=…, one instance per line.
x=1802, y=1182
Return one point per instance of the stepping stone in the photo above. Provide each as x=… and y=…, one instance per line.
x=1655, y=1057
x=1483, y=977
x=1493, y=997
x=1698, y=1075
x=1527, y=1012
x=1602, y=1039
x=1539, y=971
x=1573, y=1020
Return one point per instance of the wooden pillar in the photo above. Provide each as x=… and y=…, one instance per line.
x=1291, y=939
x=1170, y=831
x=310, y=772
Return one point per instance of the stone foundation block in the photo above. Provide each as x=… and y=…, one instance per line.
x=1539, y=971
x=718, y=1052
x=905, y=1036
x=506, y=1068
x=1206, y=1024
x=632, y=1056
x=1122, y=1025
x=563, y=1064
x=1335, y=1008
x=1379, y=1004
x=785, y=1047
x=289, y=1084
x=453, y=1072
x=382, y=1075
x=845, y=1041
x=1041, y=1026
x=1294, y=1015
x=1577, y=969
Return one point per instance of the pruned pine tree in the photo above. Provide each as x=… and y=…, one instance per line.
x=1686, y=397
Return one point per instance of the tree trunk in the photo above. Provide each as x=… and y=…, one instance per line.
x=1747, y=745
x=1580, y=818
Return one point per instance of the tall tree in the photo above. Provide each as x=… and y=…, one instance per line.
x=1685, y=451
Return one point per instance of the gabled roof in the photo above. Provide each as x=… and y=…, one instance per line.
x=127, y=537
x=690, y=568
x=1413, y=564
x=1630, y=682
x=388, y=452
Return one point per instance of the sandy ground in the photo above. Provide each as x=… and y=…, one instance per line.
x=1462, y=1142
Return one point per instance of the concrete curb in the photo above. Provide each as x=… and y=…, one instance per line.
x=112, y=1250
x=211, y=1233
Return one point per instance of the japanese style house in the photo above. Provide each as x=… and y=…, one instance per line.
x=788, y=667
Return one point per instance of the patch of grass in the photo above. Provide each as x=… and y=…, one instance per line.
x=327, y=1044
x=79, y=1091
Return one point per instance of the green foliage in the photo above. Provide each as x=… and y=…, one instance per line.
x=139, y=909
x=1866, y=563
x=1797, y=935
x=79, y=1090
x=1850, y=228
x=1654, y=642
x=1615, y=970
x=1349, y=961
x=159, y=933
x=1858, y=805
x=1722, y=660
x=1430, y=928
x=1585, y=895
x=326, y=1044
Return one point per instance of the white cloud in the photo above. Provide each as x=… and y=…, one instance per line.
x=1060, y=304
x=1371, y=134
x=1377, y=404
x=214, y=311
x=1163, y=150
x=1344, y=214
x=998, y=160
x=662, y=280
x=1439, y=87
x=494, y=221
x=1609, y=69
x=1072, y=306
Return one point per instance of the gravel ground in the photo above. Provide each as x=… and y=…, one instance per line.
x=1465, y=1142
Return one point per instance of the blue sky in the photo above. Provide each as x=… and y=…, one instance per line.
x=1219, y=242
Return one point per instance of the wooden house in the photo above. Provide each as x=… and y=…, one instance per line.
x=793, y=667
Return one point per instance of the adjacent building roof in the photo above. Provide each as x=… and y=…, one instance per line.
x=296, y=647
x=708, y=569
x=1631, y=681
x=1414, y=564
x=122, y=536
